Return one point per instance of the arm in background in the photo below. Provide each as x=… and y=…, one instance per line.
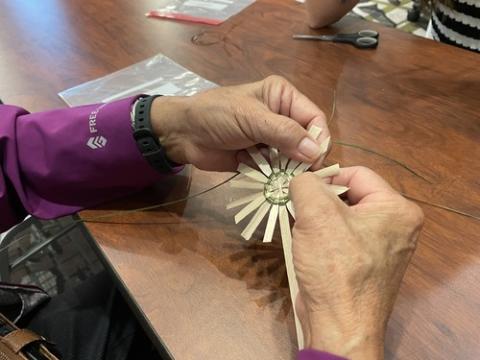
x=322, y=13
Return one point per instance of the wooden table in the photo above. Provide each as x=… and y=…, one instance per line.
x=199, y=289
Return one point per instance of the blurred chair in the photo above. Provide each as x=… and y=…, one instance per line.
x=415, y=12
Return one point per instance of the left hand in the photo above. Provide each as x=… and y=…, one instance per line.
x=210, y=129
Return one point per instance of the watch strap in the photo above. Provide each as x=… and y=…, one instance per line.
x=145, y=138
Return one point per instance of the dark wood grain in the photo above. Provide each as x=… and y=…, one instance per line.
x=203, y=290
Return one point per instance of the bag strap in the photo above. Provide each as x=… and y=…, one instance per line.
x=18, y=339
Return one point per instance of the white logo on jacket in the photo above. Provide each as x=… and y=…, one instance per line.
x=96, y=142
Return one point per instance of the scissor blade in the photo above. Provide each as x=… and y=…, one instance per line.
x=313, y=37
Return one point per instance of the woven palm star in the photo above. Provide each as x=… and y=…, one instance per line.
x=272, y=182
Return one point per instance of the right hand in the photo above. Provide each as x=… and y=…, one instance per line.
x=350, y=260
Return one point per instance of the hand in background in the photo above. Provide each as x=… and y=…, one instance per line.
x=350, y=260
x=209, y=129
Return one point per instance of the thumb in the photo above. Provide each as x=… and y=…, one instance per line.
x=287, y=135
x=313, y=201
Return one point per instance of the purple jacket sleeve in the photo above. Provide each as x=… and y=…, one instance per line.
x=58, y=162
x=309, y=354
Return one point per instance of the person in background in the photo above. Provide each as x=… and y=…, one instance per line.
x=455, y=22
x=349, y=259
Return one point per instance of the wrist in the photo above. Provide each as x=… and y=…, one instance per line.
x=168, y=116
x=358, y=341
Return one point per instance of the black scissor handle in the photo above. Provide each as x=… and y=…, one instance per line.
x=366, y=42
x=368, y=33
x=361, y=42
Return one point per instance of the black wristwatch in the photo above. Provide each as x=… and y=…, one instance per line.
x=147, y=142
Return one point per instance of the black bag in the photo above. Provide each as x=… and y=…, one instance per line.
x=18, y=302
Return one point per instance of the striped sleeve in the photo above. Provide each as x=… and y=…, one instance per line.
x=458, y=24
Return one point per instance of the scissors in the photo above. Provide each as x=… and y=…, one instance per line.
x=364, y=39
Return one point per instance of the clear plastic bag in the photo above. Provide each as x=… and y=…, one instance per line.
x=157, y=75
x=212, y=12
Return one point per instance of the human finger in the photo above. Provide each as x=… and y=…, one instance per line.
x=283, y=133
x=363, y=183
x=285, y=99
x=312, y=199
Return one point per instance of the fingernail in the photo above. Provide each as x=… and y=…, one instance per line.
x=309, y=148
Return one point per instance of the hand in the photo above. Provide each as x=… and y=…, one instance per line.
x=350, y=260
x=209, y=129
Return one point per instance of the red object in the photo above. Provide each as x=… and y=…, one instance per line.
x=182, y=17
